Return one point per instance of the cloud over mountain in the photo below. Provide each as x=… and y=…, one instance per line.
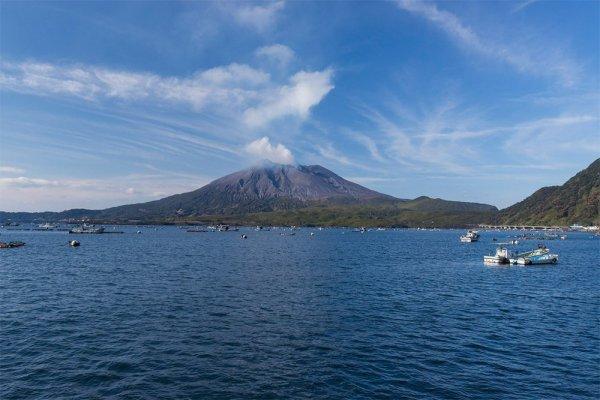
x=263, y=149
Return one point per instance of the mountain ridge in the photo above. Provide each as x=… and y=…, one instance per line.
x=271, y=193
x=263, y=188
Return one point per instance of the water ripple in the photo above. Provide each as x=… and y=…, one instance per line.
x=337, y=315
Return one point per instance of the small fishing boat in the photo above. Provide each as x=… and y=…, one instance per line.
x=47, y=226
x=470, y=236
x=226, y=228
x=502, y=256
x=539, y=256
x=11, y=245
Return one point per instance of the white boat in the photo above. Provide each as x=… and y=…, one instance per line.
x=226, y=228
x=47, y=226
x=471, y=236
x=538, y=256
x=502, y=256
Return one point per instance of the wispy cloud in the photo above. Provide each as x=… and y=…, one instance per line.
x=455, y=139
x=522, y=5
x=260, y=17
x=561, y=137
x=277, y=53
x=529, y=58
x=229, y=84
x=263, y=149
x=330, y=153
x=369, y=144
x=23, y=182
x=29, y=193
x=246, y=92
x=11, y=170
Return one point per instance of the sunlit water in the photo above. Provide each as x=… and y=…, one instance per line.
x=413, y=314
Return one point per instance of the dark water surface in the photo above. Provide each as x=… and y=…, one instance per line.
x=397, y=314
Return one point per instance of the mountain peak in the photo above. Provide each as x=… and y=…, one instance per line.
x=267, y=186
x=265, y=163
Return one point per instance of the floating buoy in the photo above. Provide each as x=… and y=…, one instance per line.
x=312, y=234
x=139, y=232
x=74, y=243
x=244, y=237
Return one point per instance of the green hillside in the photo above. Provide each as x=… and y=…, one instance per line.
x=577, y=201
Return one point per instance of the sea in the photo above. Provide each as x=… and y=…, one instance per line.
x=339, y=314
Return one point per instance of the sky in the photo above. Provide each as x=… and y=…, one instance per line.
x=110, y=103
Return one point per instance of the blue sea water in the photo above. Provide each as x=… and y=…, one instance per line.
x=395, y=314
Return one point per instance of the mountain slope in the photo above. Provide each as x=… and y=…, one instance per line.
x=577, y=201
x=266, y=187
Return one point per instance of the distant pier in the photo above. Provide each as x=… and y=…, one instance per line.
x=523, y=227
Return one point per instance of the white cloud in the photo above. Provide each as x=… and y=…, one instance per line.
x=11, y=170
x=263, y=149
x=330, y=153
x=259, y=17
x=305, y=90
x=540, y=60
x=278, y=53
x=240, y=91
x=369, y=144
x=40, y=194
x=522, y=5
x=23, y=182
x=229, y=84
x=562, y=137
x=456, y=139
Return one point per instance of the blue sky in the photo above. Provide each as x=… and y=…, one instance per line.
x=110, y=103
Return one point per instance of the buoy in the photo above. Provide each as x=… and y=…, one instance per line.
x=244, y=237
x=139, y=232
x=312, y=234
x=74, y=243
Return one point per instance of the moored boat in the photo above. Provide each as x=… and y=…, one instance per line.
x=226, y=228
x=470, y=236
x=11, y=245
x=47, y=226
x=539, y=256
x=502, y=256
